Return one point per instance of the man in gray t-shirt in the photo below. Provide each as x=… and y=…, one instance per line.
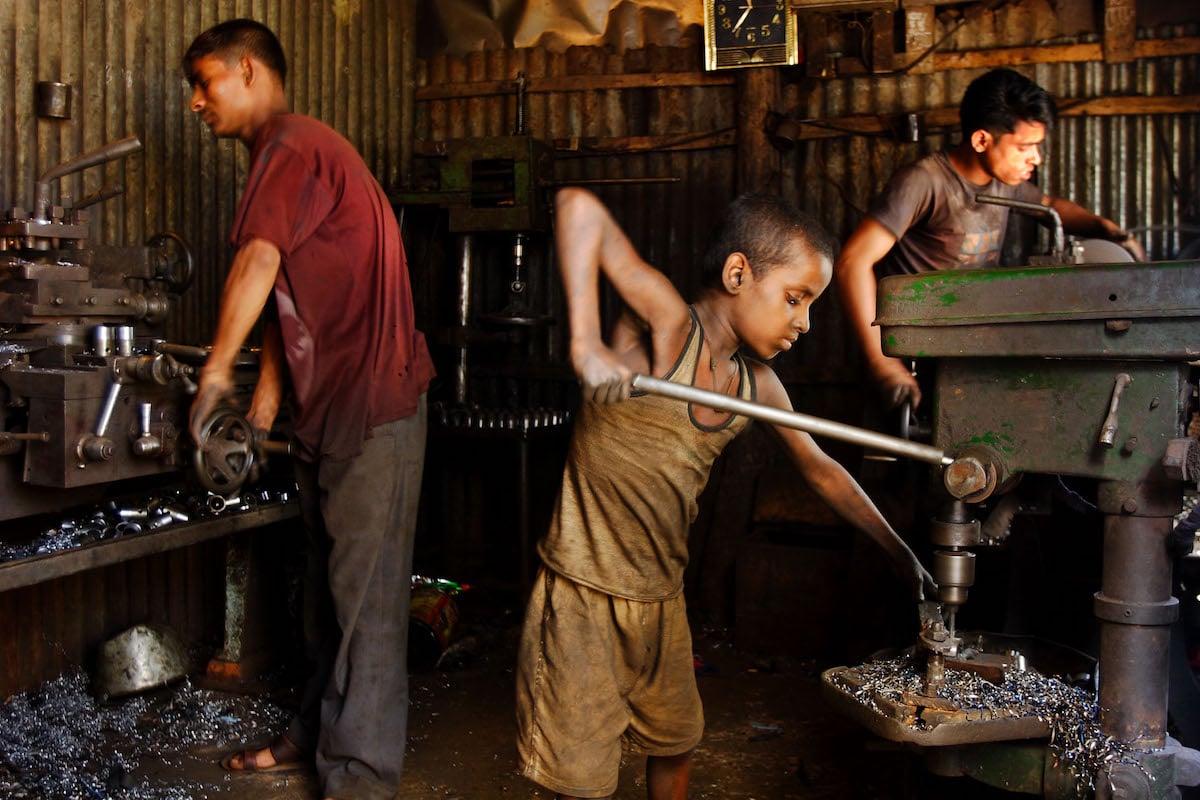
x=927, y=218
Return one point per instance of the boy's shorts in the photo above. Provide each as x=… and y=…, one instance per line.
x=595, y=670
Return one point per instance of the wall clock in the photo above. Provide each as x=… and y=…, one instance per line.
x=749, y=33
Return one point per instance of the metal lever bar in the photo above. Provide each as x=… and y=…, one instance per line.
x=1035, y=209
x=1108, y=431
x=792, y=419
x=109, y=152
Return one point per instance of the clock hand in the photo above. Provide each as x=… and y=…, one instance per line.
x=737, y=26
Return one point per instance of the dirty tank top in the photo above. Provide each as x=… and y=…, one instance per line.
x=630, y=486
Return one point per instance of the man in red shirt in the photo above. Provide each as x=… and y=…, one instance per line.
x=316, y=239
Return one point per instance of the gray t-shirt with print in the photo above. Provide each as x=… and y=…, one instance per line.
x=931, y=210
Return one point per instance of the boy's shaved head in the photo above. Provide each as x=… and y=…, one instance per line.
x=764, y=228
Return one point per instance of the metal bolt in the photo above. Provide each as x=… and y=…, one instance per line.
x=965, y=477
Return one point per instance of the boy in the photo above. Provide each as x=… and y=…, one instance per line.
x=606, y=652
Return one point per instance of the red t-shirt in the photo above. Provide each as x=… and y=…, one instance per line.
x=354, y=356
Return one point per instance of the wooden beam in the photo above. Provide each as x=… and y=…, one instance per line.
x=1056, y=54
x=1120, y=19
x=568, y=146
x=575, y=83
x=1017, y=56
x=855, y=125
x=875, y=125
x=609, y=145
x=883, y=48
x=1124, y=105
x=919, y=25
x=968, y=59
x=758, y=163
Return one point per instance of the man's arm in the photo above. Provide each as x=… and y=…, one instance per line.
x=1078, y=221
x=590, y=243
x=857, y=287
x=249, y=285
x=837, y=487
x=268, y=391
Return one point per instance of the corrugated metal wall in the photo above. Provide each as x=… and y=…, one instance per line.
x=1091, y=160
x=667, y=195
x=350, y=65
x=1138, y=169
x=354, y=67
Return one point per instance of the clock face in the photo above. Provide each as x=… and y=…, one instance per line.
x=749, y=23
x=749, y=32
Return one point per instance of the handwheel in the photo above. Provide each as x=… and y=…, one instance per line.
x=224, y=455
x=173, y=262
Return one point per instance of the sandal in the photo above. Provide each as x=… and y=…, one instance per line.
x=287, y=757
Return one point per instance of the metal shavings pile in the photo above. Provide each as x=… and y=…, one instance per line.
x=1070, y=712
x=114, y=520
x=58, y=743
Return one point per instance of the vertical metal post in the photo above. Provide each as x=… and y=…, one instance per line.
x=227, y=664
x=1135, y=609
x=463, y=317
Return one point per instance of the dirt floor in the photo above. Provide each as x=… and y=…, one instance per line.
x=769, y=736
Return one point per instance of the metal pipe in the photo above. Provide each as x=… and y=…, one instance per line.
x=793, y=419
x=1030, y=208
x=1135, y=610
x=106, y=412
x=463, y=316
x=187, y=352
x=109, y=152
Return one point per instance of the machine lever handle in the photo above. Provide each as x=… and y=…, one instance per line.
x=792, y=419
x=1108, y=431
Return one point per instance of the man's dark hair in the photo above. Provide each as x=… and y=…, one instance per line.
x=997, y=100
x=232, y=39
x=764, y=228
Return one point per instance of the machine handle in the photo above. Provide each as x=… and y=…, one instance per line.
x=1108, y=431
x=109, y=152
x=1034, y=209
x=792, y=419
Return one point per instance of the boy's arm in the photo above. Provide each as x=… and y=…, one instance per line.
x=854, y=272
x=1078, y=221
x=835, y=486
x=590, y=244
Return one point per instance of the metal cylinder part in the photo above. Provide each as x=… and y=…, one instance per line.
x=954, y=571
x=53, y=99
x=102, y=340
x=125, y=340
x=1137, y=575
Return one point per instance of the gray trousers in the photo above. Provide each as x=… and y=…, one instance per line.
x=360, y=518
